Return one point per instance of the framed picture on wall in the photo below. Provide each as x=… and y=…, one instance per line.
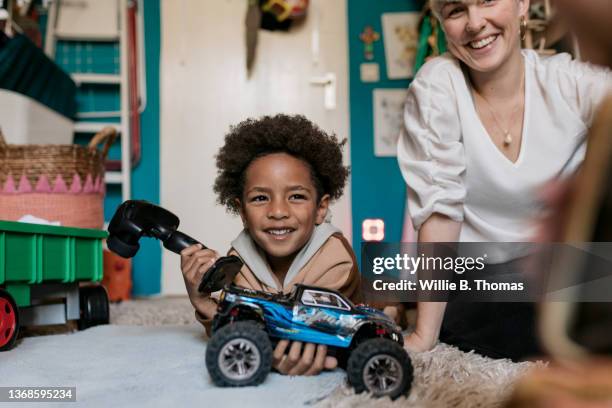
x=388, y=116
x=400, y=35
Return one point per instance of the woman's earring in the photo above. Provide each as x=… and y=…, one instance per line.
x=523, y=29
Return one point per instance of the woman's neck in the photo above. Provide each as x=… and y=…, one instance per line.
x=503, y=83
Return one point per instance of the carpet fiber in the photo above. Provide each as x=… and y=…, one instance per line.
x=152, y=354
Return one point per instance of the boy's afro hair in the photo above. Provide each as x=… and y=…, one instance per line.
x=294, y=135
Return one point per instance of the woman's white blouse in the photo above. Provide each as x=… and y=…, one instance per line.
x=452, y=167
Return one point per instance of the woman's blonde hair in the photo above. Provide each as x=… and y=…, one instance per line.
x=436, y=7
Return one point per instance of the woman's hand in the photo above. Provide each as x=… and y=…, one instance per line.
x=427, y=329
x=195, y=261
x=416, y=342
x=302, y=358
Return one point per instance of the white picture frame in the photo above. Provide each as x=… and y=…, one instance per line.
x=401, y=36
x=388, y=107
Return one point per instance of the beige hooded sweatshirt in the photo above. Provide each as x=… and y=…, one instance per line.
x=327, y=261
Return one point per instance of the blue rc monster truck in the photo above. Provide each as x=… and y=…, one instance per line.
x=240, y=350
x=248, y=322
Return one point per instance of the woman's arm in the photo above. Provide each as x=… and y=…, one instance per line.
x=437, y=228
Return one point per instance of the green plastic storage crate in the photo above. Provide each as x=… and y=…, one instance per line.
x=48, y=275
x=32, y=254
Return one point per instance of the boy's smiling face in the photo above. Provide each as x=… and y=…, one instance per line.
x=279, y=205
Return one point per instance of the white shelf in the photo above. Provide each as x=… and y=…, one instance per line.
x=103, y=79
x=113, y=177
x=84, y=37
x=94, y=127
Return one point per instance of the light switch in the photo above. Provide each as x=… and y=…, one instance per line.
x=373, y=230
x=369, y=72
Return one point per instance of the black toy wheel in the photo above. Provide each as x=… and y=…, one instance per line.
x=9, y=321
x=239, y=355
x=93, y=302
x=380, y=366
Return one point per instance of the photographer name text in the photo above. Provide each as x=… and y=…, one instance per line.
x=440, y=285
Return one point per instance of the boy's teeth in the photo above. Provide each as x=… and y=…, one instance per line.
x=482, y=43
x=279, y=232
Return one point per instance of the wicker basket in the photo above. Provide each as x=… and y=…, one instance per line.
x=62, y=183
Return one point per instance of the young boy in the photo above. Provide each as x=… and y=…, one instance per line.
x=279, y=174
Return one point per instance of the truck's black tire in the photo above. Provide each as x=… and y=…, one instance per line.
x=93, y=302
x=9, y=321
x=239, y=355
x=379, y=362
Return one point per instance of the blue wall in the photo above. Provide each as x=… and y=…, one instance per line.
x=377, y=185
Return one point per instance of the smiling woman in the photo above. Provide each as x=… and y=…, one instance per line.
x=486, y=127
x=483, y=34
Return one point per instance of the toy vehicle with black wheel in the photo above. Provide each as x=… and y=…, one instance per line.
x=248, y=323
x=49, y=275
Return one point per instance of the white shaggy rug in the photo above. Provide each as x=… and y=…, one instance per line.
x=446, y=377
x=162, y=364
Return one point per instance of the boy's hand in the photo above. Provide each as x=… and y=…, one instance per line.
x=310, y=359
x=392, y=312
x=397, y=312
x=195, y=261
